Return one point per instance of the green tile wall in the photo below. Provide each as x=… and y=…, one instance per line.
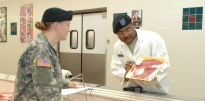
x=14, y=28
x=115, y=14
x=192, y=18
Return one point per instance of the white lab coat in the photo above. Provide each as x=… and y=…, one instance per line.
x=150, y=44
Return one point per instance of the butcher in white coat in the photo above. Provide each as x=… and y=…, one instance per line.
x=132, y=44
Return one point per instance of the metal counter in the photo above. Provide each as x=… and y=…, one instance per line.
x=119, y=94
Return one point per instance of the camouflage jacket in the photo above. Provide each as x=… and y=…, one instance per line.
x=35, y=81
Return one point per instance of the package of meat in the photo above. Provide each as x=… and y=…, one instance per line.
x=146, y=68
x=6, y=96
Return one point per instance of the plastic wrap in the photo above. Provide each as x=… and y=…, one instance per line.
x=146, y=68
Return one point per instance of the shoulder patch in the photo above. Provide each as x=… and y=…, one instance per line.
x=44, y=63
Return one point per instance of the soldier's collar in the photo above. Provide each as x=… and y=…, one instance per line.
x=46, y=39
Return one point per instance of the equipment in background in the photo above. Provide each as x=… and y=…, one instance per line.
x=66, y=74
x=137, y=89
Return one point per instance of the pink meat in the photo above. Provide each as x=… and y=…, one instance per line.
x=148, y=69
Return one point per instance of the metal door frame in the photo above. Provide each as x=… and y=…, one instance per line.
x=86, y=11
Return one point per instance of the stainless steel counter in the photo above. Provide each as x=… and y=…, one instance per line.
x=119, y=94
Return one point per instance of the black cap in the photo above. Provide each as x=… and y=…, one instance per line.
x=56, y=15
x=120, y=21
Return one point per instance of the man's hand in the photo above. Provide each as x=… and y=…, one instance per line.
x=128, y=66
x=72, y=85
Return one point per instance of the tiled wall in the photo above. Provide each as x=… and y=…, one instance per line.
x=192, y=18
x=186, y=48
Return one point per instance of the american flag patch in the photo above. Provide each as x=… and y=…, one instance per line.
x=43, y=62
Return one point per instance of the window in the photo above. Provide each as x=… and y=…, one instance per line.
x=74, y=39
x=90, y=39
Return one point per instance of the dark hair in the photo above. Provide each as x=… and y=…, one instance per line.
x=43, y=25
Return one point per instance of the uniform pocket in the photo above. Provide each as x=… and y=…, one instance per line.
x=43, y=75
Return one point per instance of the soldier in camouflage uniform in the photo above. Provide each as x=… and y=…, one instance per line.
x=39, y=75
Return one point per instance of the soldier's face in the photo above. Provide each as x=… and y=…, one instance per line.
x=64, y=29
x=127, y=34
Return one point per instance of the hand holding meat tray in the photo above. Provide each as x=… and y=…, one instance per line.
x=146, y=68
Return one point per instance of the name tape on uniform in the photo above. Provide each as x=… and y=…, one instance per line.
x=120, y=55
x=44, y=63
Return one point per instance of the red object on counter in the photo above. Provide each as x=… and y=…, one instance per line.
x=6, y=96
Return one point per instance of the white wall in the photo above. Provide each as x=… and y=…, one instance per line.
x=186, y=47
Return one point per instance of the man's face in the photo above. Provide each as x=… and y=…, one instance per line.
x=136, y=14
x=127, y=34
